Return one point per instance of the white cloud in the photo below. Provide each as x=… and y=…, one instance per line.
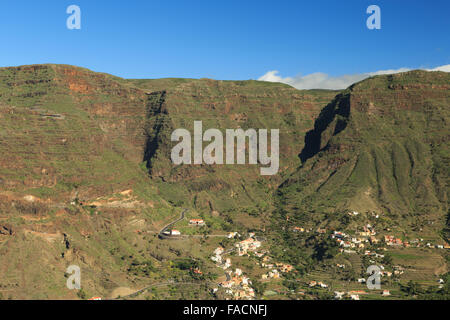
x=321, y=80
x=445, y=68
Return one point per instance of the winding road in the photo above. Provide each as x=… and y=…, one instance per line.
x=161, y=234
x=166, y=227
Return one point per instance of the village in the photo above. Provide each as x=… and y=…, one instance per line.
x=362, y=241
x=367, y=242
x=237, y=284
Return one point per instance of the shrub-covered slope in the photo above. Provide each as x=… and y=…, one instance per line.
x=381, y=147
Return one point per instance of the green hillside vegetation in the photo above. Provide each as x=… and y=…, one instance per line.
x=86, y=178
x=379, y=148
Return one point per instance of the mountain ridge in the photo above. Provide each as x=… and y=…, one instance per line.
x=86, y=176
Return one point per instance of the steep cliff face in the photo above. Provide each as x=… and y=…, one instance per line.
x=85, y=159
x=61, y=123
x=225, y=105
x=86, y=176
x=379, y=147
x=71, y=144
x=68, y=127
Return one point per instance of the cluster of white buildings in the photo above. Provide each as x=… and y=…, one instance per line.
x=220, y=262
x=354, y=295
x=247, y=245
x=233, y=235
x=438, y=246
x=273, y=274
x=238, y=285
x=393, y=241
x=284, y=267
x=343, y=240
x=365, y=237
x=373, y=254
x=313, y=283
x=301, y=230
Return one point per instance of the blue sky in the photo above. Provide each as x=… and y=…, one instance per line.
x=227, y=39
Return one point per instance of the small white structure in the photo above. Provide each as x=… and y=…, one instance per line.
x=175, y=233
x=197, y=222
x=339, y=294
x=227, y=264
x=219, y=251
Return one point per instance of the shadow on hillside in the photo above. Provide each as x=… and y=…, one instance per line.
x=313, y=139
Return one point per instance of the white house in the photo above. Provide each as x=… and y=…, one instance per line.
x=338, y=294
x=219, y=251
x=197, y=222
